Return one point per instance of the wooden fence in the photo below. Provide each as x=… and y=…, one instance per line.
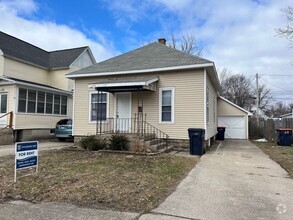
x=267, y=128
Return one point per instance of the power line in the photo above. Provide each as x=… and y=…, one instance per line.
x=275, y=85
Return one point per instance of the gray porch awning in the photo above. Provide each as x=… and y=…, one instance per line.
x=126, y=84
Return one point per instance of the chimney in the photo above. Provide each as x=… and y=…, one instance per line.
x=162, y=41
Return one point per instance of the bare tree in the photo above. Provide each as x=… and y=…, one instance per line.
x=287, y=31
x=238, y=89
x=188, y=44
x=264, y=97
x=279, y=108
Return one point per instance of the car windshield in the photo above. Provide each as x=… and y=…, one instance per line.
x=64, y=122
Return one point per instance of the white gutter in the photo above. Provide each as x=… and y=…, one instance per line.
x=141, y=83
x=141, y=71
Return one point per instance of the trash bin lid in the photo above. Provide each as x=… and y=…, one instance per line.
x=196, y=129
x=284, y=129
x=221, y=127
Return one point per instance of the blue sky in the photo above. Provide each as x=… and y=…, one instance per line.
x=237, y=34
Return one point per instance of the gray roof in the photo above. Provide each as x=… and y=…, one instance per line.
x=128, y=80
x=151, y=56
x=21, y=50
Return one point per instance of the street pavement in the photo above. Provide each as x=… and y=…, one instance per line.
x=234, y=181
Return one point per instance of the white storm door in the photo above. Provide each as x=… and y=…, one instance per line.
x=123, y=112
x=3, y=109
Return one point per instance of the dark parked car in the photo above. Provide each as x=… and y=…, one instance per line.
x=63, y=129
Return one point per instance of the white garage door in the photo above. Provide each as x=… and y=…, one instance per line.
x=235, y=126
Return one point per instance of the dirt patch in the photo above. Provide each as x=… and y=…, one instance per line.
x=281, y=154
x=137, y=183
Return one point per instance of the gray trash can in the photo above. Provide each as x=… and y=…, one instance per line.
x=196, y=141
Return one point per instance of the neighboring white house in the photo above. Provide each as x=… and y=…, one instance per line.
x=33, y=85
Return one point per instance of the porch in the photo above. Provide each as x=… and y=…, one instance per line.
x=127, y=117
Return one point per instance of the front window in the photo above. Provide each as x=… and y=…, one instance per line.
x=99, y=106
x=166, y=105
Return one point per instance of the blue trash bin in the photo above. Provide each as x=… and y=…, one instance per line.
x=196, y=141
x=284, y=136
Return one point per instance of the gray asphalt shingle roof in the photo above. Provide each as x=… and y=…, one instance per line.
x=19, y=49
x=151, y=56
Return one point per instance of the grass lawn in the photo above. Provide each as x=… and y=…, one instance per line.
x=281, y=154
x=91, y=179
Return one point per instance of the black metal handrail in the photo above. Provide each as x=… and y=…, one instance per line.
x=133, y=126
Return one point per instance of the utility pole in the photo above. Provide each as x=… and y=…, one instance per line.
x=257, y=99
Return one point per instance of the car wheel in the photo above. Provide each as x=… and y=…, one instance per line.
x=62, y=139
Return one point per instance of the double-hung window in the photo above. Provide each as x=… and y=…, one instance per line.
x=99, y=103
x=166, y=105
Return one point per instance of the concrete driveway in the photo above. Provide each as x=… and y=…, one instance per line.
x=43, y=145
x=237, y=181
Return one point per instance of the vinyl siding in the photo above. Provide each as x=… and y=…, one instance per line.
x=24, y=71
x=189, y=103
x=226, y=109
x=1, y=63
x=211, y=126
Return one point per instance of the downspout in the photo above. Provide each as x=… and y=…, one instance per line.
x=73, y=107
x=205, y=102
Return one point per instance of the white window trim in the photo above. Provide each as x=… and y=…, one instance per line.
x=172, y=105
x=90, y=106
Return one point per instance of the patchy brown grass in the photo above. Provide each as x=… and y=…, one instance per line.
x=137, y=183
x=281, y=154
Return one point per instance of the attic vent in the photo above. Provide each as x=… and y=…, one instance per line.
x=162, y=41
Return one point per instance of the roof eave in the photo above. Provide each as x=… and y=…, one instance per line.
x=186, y=67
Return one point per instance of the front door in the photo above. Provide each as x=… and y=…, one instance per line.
x=123, y=112
x=3, y=109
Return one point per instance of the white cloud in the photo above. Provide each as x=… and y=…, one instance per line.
x=240, y=35
x=18, y=6
x=48, y=35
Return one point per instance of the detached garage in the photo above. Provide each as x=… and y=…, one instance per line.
x=234, y=118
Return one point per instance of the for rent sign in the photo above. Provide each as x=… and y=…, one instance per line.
x=26, y=155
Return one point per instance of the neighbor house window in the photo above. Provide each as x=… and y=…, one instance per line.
x=33, y=101
x=99, y=103
x=41, y=102
x=57, y=100
x=22, y=97
x=49, y=103
x=3, y=103
x=166, y=105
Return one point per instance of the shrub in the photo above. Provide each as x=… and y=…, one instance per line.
x=119, y=142
x=92, y=143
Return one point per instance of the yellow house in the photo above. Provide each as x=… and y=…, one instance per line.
x=153, y=89
x=33, y=86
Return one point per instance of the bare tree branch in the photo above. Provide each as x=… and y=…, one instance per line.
x=187, y=44
x=287, y=30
